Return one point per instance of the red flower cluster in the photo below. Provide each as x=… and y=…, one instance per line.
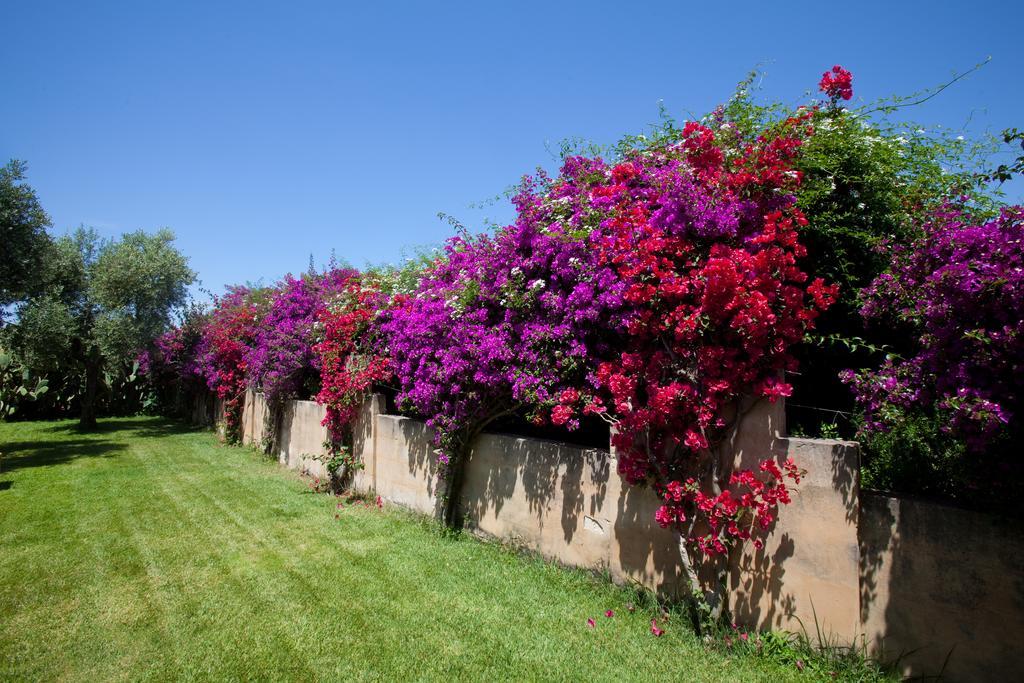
x=730, y=515
x=228, y=336
x=837, y=84
x=717, y=302
x=348, y=371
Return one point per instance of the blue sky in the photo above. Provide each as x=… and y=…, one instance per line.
x=262, y=133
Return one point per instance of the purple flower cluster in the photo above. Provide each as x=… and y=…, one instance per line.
x=503, y=322
x=283, y=348
x=281, y=357
x=688, y=209
x=960, y=288
x=172, y=356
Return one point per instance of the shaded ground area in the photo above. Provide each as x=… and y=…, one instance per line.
x=146, y=551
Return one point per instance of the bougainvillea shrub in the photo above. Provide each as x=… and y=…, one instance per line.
x=655, y=292
x=228, y=337
x=282, y=352
x=702, y=233
x=170, y=366
x=282, y=362
x=503, y=323
x=958, y=292
x=349, y=363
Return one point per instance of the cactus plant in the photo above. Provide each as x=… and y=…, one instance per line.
x=16, y=385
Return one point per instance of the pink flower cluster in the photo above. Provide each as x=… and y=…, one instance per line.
x=837, y=84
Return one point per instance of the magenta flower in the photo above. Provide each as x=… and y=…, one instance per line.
x=958, y=290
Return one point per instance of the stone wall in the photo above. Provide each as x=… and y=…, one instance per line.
x=915, y=581
x=940, y=582
x=300, y=438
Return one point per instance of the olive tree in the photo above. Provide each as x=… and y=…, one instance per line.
x=103, y=301
x=23, y=236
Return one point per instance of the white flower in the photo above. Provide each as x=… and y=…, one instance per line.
x=959, y=137
x=920, y=131
x=538, y=284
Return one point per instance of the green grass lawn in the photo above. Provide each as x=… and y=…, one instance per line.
x=147, y=551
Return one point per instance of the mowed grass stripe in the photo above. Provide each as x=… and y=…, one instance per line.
x=259, y=576
x=245, y=587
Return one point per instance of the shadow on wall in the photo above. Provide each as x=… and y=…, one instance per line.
x=756, y=575
x=877, y=539
x=417, y=440
x=362, y=430
x=525, y=485
x=942, y=587
x=522, y=488
x=806, y=575
x=846, y=481
x=759, y=576
x=643, y=551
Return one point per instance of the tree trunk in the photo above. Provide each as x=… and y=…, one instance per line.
x=93, y=366
x=457, y=467
x=456, y=475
